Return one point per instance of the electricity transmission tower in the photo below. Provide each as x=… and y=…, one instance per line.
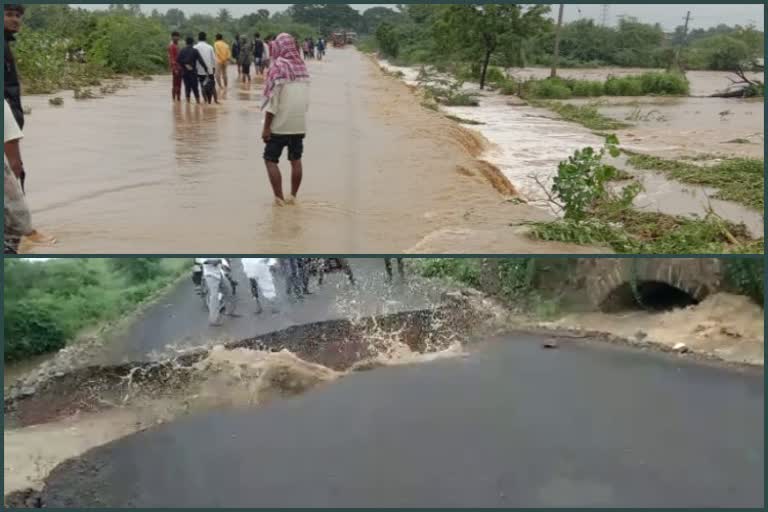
x=604, y=17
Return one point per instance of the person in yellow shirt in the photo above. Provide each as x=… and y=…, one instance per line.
x=223, y=54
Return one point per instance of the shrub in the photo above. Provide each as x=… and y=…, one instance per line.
x=580, y=181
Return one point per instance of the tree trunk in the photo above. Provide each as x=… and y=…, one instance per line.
x=556, y=57
x=486, y=61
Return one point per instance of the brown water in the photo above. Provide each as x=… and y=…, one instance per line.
x=728, y=326
x=675, y=127
x=528, y=143
x=134, y=173
x=225, y=378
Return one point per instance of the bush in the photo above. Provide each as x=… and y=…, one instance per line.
x=747, y=276
x=32, y=327
x=47, y=304
x=624, y=86
x=389, y=42
x=664, y=83
x=128, y=44
x=580, y=181
x=548, y=89
x=585, y=88
x=464, y=270
x=494, y=75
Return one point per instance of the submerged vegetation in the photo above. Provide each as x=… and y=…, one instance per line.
x=48, y=303
x=594, y=213
x=741, y=180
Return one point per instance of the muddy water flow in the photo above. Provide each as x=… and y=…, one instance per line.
x=91, y=406
x=528, y=143
x=132, y=172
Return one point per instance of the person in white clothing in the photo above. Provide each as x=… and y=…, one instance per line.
x=206, y=76
x=259, y=274
x=18, y=221
x=216, y=276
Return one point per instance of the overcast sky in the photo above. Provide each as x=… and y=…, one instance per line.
x=669, y=15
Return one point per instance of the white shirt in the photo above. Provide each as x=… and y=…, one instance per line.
x=289, y=104
x=253, y=267
x=213, y=267
x=265, y=55
x=208, y=55
x=11, y=130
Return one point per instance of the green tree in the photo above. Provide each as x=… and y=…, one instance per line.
x=137, y=270
x=372, y=18
x=481, y=30
x=174, y=18
x=224, y=16
x=388, y=40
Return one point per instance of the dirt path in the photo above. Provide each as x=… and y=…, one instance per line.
x=133, y=173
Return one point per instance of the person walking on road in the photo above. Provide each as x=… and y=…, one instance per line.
x=258, y=54
x=388, y=267
x=320, y=48
x=215, y=275
x=236, y=53
x=176, y=71
x=286, y=102
x=246, y=58
x=205, y=74
x=189, y=61
x=223, y=54
x=259, y=274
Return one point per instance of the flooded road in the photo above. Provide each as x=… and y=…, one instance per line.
x=507, y=424
x=528, y=143
x=133, y=173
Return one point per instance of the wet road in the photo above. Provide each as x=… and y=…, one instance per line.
x=179, y=321
x=508, y=425
x=133, y=173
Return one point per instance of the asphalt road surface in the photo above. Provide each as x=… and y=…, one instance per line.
x=510, y=424
x=179, y=321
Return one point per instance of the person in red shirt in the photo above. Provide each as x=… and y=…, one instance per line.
x=173, y=55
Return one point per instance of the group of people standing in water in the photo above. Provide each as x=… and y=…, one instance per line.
x=201, y=67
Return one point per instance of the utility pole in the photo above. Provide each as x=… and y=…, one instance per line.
x=556, y=58
x=604, y=20
x=676, y=62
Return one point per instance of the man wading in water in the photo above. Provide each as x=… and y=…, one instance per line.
x=13, y=14
x=188, y=59
x=286, y=101
x=173, y=56
x=205, y=73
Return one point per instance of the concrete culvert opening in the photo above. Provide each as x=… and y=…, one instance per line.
x=647, y=295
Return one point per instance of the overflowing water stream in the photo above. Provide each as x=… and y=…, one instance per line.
x=529, y=142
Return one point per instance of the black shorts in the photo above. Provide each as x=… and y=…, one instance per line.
x=274, y=148
x=246, y=68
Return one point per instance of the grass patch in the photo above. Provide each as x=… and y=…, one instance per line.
x=48, y=304
x=740, y=180
x=586, y=115
x=738, y=141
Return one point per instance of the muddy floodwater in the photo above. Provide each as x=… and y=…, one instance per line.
x=132, y=172
x=527, y=143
